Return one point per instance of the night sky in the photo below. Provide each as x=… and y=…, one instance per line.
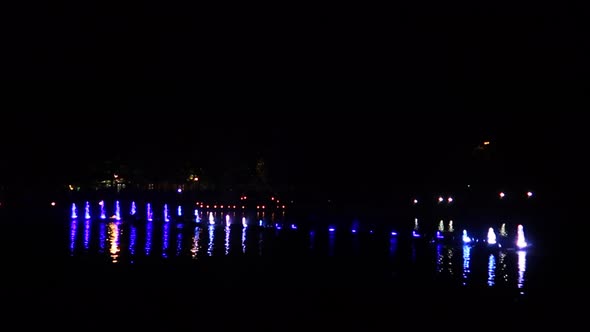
x=342, y=97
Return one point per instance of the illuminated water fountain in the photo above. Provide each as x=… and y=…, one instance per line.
x=74, y=211
x=520, y=240
x=491, y=236
x=166, y=214
x=133, y=209
x=117, y=211
x=150, y=213
x=466, y=238
x=103, y=214
x=87, y=211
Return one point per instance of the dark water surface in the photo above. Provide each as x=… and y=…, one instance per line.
x=132, y=273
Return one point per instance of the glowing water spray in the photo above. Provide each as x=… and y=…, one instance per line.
x=491, y=236
x=416, y=224
x=503, y=230
x=117, y=210
x=244, y=222
x=87, y=211
x=197, y=219
x=179, y=211
x=466, y=238
x=441, y=226
x=211, y=219
x=133, y=209
x=74, y=211
x=451, y=228
x=166, y=214
x=103, y=214
x=227, y=219
x=150, y=213
x=520, y=241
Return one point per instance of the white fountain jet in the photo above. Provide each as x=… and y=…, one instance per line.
x=491, y=236
x=520, y=240
x=74, y=211
x=87, y=211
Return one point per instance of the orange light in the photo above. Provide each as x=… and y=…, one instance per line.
x=486, y=143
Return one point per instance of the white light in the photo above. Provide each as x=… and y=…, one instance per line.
x=440, y=199
x=502, y=194
x=491, y=236
x=529, y=194
x=520, y=241
x=466, y=238
x=450, y=200
x=415, y=201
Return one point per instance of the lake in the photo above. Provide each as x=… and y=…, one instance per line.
x=234, y=269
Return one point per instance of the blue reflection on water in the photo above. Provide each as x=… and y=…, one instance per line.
x=132, y=240
x=439, y=258
x=227, y=233
x=521, y=268
x=179, y=243
x=491, y=270
x=165, y=240
x=149, y=234
x=211, y=229
x=196, y=245
x=466, y=263
x=73, y=228
x=86, y=233
x=102, y=231
x=331, y=242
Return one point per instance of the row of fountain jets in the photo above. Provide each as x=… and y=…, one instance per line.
x=133, y=212
x=492, y=239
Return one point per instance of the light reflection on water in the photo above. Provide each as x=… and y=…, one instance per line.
x=491, y=270
x=466, y=263
x=165, y=240
x=86, y=234
x=521, y=267
x=475, y=265
x=114, y=245
x=73, y=227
